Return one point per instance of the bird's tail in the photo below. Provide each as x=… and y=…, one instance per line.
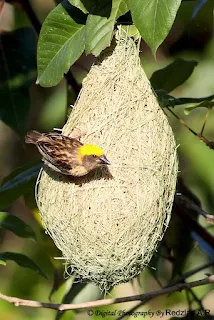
x=32, y=136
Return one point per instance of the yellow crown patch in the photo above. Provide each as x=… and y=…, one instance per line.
x=89, y=149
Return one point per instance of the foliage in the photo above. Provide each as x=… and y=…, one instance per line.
x=76, y=28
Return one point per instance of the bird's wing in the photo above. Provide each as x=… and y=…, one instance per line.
x=59, y=150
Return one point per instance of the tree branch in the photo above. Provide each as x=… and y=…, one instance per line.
x=180, y=279
x=185, y=201
x=105, y=302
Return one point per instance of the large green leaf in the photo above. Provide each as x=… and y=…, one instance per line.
x=17, y=73
x=22, y=261
x=12, y=223
x=100, y=24
x=173, y=75
x=154, y=19
x=61, y=43
x=17, y=184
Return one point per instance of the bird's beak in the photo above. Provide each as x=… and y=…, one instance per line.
x=104, y=160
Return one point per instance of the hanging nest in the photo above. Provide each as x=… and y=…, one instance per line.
x=108, y=223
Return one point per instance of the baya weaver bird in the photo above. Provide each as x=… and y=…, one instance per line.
x=67, y=155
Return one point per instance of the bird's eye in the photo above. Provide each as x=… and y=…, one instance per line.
x=94, y=155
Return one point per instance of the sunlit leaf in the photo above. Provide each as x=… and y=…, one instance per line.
x=19, y=182
x=16, y=225
x=100, y=24
x=173, y=75
x=61, y=43
x=154, y=19
x=22, y=261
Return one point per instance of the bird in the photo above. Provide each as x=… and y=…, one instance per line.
x=67, y=155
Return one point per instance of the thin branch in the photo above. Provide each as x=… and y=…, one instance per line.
x=185, y=201
x=105, y=302
x=205, y=121
x=71, y=80
x=31, y=14
x=209, y=144
x=201, y=307
x=191, y=222
x=181, y=101
x=180, y=279
x=182, y=121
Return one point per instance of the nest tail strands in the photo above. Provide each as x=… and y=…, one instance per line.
x=108, y=223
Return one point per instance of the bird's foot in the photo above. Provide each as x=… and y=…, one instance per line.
x=77, y=134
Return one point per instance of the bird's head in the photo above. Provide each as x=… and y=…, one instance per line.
x=92, y=156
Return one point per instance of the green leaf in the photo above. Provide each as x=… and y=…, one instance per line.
x=16, y=225
x=22, y=261
x=154, y=19
x=123, y=8
x=61, y=43
x=84, y=5
x=100, y=25
x=173, y=75
x=132, y=31
x=17, y=183
x=205, y=104
x=17, y=73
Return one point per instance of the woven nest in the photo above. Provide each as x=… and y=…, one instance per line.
x=108, y=223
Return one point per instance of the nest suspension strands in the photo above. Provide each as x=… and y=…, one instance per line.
x=108, y=223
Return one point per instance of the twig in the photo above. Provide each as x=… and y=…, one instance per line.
x=209, y=144
x=182, y=122
x=37, y=26
x=205, y=120
x=185, y=201
x=180, y=279
x=105, y=302
x=31, y=14
x=192, y=223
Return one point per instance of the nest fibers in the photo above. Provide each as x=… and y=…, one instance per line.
x=108, y=223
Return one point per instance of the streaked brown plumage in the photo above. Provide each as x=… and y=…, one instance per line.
x=65, y=154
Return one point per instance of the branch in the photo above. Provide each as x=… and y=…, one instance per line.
x=37, y=26
x=185, y=201
x=193, y=224
x=180, y=279
x=31, y=14
x=105, y=302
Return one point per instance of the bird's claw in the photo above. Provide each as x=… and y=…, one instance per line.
x=77, y=134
